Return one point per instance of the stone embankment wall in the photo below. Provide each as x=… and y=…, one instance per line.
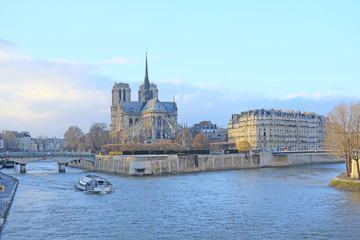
x=10, y=185
x=173, y=164
x=293, y=159
x=83, y=164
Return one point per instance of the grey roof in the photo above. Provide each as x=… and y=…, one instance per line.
x=169, y=106
x=271, y=112
x=132, y=107
x=152, y=105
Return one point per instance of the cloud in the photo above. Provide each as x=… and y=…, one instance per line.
x=189, y=97
x=48, y=96
x=315, y=95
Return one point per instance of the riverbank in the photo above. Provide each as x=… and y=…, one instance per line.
x=344, y=182
x=155, y=165
x=9, y=184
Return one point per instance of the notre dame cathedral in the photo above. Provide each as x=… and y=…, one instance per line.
x=148, y=120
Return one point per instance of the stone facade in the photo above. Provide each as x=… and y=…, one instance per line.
x=276, y=130
x=148, y=120
x=212, y=131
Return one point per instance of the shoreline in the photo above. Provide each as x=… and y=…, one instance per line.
x=10, y=184
x=343, y=182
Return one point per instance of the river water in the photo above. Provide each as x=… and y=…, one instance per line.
x=266, y=203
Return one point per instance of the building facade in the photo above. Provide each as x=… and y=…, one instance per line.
x=277, y=130
x=212, y=131
x=148, y=120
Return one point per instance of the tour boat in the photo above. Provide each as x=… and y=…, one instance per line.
x=95, y=184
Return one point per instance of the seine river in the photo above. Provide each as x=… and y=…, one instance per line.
x=267, y=203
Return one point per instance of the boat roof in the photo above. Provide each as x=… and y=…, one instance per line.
x=91, y=177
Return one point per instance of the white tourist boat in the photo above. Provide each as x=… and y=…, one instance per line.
x=95, y=184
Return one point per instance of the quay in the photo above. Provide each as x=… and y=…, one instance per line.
x=8, y=188
x=155, y=165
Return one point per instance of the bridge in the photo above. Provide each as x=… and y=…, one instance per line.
x=62, y=158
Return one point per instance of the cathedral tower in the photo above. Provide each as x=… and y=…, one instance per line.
x=147, y=91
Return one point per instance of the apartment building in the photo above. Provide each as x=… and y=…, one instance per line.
x=277, y=130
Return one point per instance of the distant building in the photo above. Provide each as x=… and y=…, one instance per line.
x=147, y=120
x=25, y=143
x=212, y=131
x=1, y=141
x=276, y=130
x=47, y=144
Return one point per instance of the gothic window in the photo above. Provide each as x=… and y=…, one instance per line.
x=130, y=122
x=151, y=95
x=136, y=119
x=120, y=95
x=159, y=121
x=124, y=95
x=158, y=135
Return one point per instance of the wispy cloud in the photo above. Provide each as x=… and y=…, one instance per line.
x=315, y=95
x=189, y=97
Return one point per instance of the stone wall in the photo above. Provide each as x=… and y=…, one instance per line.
x=174, y=164
x=293, y=159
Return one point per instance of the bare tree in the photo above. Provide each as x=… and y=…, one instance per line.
x=73, y=137
x=184, y=138
x=98, y=136
x=10, y=140
x=201, y=141
x=342, y=133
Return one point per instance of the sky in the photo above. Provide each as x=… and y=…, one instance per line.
x=60, y=59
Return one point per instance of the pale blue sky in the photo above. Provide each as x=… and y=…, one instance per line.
x=59, y=59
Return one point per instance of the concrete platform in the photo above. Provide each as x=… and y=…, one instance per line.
x=343, y=182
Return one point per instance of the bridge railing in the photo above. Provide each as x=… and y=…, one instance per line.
x=46, y=154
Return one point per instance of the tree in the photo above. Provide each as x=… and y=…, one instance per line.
x=243, y=145
x=342, y=133
x=221, y=146
x=98, y=136
x=73, y=137
x=10, y=140
x=184, y=138
x=201, y=142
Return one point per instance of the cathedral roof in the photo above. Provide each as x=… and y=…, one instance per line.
x=154, y=105
x=132, y=107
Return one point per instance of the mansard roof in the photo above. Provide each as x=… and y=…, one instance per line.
x=272, y=112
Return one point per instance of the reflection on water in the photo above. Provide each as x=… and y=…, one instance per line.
x=279, y=203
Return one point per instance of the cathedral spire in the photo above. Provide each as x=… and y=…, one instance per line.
x=146, y=82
